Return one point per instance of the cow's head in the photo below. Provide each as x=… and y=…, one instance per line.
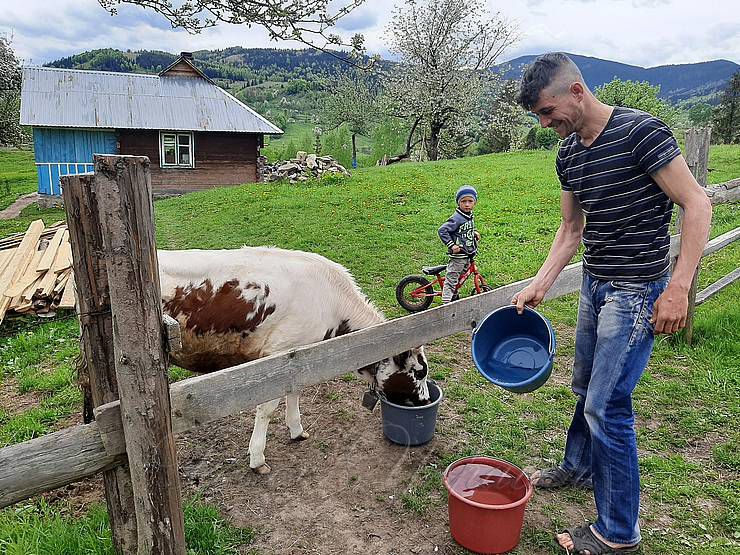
x=402, y=378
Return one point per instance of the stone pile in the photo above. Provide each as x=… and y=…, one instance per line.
x=301, y=168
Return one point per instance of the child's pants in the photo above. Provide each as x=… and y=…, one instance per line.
x=455, y=267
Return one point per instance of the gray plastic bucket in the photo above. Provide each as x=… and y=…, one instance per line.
x=411, y=425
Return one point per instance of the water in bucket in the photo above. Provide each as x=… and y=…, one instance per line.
x=486, y=484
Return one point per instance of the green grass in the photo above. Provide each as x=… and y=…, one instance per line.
x=17, y=175
x=382, y=224
x=43, y=529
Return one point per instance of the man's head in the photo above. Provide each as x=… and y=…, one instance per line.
x=553, y=89
x=466, y=197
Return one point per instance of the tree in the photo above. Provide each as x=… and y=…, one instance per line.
x=639, y=95
x=306, y=21
x=700, y=115
x=353, y=102
x=727, y=114
x=445, y=48
x=503, y=120
x=11, y=132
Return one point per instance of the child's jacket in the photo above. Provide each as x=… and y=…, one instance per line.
x=459, y=230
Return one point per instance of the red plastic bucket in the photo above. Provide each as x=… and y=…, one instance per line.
x=486, y=501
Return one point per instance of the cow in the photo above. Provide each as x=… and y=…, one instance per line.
x=234, y=306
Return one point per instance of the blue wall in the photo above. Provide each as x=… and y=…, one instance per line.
x=67, y=152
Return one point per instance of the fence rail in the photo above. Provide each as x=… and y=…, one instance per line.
x=38, y=465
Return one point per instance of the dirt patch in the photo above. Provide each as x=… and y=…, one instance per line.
x=15, y=209
x=341, y=491
x=13, y=402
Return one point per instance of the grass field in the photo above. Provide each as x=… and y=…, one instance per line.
x=382, y=224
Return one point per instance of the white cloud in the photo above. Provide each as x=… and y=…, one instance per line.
x=640, y=32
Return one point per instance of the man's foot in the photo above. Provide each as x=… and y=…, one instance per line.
x=584, y=540
x=553, y=478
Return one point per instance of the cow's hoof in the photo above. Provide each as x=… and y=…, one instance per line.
x=262, y=470
x=300, y=437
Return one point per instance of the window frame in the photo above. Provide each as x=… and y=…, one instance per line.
x=176, y=135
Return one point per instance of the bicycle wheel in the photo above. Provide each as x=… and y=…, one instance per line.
x=407, y=286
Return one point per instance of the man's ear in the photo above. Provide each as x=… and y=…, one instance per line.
x=577, y=90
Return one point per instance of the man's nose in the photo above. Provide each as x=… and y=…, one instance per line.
x=545, y=121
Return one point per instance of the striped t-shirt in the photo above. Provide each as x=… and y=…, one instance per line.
x=627, y=214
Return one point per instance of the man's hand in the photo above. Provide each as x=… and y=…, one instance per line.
x=530, y=296
x=476, y=235
x=456, y=249
x=670, y=310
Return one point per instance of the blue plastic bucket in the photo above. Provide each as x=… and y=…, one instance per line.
x=514, y=351
x=411, y=425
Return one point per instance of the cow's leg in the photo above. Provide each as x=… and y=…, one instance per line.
x=259, y=436
x=293, y=418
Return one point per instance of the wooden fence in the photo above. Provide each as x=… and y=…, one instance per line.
x=138, y=456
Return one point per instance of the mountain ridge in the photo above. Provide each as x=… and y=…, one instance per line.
x=678, y=82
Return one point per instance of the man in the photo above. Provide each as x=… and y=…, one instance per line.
x=622, y=170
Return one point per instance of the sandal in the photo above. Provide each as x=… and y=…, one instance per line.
x=553, y=478
x=584, y=541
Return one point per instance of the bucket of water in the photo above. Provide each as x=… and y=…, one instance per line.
x=514, y=351
x=486, y=498
x=411, y=425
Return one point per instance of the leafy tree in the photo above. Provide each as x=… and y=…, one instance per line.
x=11, y=132
x=353, y=101
x=700, y=115
x=503, y=120
x=727, y=114
x=639, y=95
x=306, y=21
x=547, y=137
x=445, y=48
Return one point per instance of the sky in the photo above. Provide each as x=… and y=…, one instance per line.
x=645, y=33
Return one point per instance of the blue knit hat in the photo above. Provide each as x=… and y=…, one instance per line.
x=466, y=191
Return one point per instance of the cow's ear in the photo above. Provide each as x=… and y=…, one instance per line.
x=369, y=372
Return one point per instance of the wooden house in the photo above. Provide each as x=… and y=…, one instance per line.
x=195, y=134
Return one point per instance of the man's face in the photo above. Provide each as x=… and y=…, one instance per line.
x=562, y=112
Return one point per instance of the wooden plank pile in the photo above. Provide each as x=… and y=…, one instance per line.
x=36, y=271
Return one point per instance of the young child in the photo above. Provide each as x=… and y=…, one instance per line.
x=458, y=233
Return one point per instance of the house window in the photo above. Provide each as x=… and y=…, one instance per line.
x=176, y=150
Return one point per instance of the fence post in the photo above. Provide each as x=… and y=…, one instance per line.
x=123, y=187
x=697, y=158
x=96, y=338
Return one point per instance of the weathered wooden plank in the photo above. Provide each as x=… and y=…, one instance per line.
x=98, y=372
x=721, y=241
x=717, y=286
x=28, y=277
x=63, y=260
x=123, y=192
x=697, y=158
x=724, y=192
x=68, y=296
x=52, y=461
x=19, y=263
x=51, y=250
x=5, y=257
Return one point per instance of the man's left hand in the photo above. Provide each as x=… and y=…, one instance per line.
x=670, y=310
x=477, y=236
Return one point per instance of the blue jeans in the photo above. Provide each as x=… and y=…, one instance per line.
x=614, y=340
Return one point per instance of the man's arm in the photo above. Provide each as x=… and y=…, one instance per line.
x=563, y=248
x=677, y=181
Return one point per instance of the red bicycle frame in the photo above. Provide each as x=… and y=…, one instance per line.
x=478, y=282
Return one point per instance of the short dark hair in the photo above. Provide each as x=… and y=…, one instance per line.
x=540, y=74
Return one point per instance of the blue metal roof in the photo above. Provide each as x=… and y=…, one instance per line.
x=54, y=97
